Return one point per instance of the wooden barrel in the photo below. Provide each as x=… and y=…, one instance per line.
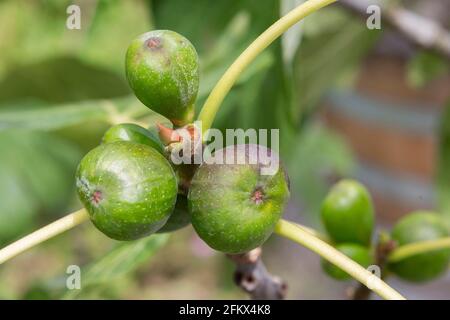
x=392, y=127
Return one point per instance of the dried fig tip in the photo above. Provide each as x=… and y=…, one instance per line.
x=258, y=196
x=96, y=197
x=167, y=135
x=154, y=43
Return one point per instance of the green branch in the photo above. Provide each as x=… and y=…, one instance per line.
x=303, y=237
x=412, y=249
x=49, y=231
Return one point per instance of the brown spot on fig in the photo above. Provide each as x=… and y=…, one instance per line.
x=257, y=196
x=96, y=197
x=154, y=43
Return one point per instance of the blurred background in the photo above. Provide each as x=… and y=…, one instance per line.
x=349, y=102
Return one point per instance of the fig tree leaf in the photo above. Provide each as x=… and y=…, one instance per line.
x=60, y=80
x=121, y=260
x=46, y=117
x=33, y=31
x=291, y=39
x=327, y=53
x=36, y=175
x=124, y=20
x=443, y=171
x=426, y=66
x=317, y=155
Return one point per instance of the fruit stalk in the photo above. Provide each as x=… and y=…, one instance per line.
x=215, y=98
x=409, y=250
x=49, y=231
x=293, y=232
x=252, y=276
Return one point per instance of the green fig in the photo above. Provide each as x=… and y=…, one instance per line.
x=415, y=227
x=162, y=69
x=347, y=213
x=129, y=189
x=180, y=217
x=234, y=207
x=354, y=251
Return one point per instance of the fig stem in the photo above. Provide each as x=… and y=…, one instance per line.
x=409, y=250
x=297, y=234
x=49, y=231
x=223, y=86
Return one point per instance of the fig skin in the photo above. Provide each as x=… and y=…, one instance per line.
x=234, y=208
x=354, y=251
x=347, y=213
x=128, y=189
x=180, y=217
x=162, y=70
x=132, y=132
x=421, y=226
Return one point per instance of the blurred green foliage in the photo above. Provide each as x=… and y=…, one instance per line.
x=120, y=261
x=443, y=172
x=425, y=67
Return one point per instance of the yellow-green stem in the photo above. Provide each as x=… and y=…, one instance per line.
x=212, y=103
x=412, y=249
x=43, y=234
x=326, y=251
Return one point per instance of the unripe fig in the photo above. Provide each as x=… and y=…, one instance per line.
x=347, y=213
x=129, y=189
x=415, y=227
x=180, y=217
x=132, y=132
x=354, y=251
x=162, y=69
x=234, y=207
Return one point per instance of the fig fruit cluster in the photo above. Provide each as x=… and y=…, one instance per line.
x=348, y=217
x=130, y=187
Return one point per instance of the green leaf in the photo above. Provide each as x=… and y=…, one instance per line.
x=291, y=39
x=121, y=260
x=443, y=172
x=32, y=31
x=61, y=80
x=326, y=54
x=426, y=66
x=114, y=25
x=36, y=174
x=316, y=155
x=60, y=116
